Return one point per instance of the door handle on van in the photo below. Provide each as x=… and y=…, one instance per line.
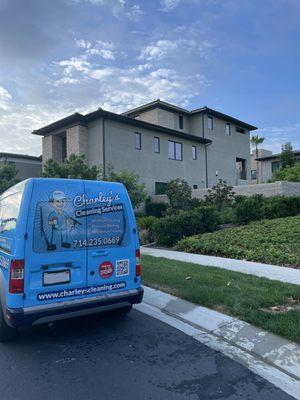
x=98, y=253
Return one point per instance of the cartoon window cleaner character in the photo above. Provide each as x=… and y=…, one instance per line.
x=60, y=221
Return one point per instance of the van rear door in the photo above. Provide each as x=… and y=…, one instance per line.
x=54, y=269
x=110, y=238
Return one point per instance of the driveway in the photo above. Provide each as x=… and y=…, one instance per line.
x=135, y=357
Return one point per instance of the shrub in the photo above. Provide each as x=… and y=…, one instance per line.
x=281, y=206
x=249, y=209
x=287, y=174
x=220, y=195
x=172, y=228
x=227, y=216
x=273, y=241
x=155, y=209
x=145, y=225
x=179, y=194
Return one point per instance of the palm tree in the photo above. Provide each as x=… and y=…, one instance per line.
x=256, y=141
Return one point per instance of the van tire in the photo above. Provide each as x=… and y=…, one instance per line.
x=122, y=311
x=7, y=333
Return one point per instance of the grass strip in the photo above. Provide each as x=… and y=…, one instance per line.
x=232, y=293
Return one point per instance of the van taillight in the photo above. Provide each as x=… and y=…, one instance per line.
x=138, y=268
x=16, y=280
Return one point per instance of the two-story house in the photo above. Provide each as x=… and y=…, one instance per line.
x=159, y=141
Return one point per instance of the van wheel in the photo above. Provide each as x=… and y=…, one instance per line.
x=122, y=311
x=7, y=333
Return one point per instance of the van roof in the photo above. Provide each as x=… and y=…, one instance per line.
x=71, y=180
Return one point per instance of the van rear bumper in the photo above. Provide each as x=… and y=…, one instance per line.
x=17, y=317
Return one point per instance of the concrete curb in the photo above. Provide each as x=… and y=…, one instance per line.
x=265, y=349
x=273, y=272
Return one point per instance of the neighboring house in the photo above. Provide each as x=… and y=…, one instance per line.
x=27, y=166
x=159, y=141
x=267, y=164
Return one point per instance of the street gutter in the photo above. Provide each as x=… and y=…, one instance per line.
x=270, y=356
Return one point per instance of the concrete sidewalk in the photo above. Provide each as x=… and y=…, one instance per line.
x=273, y=272
x=272, y=357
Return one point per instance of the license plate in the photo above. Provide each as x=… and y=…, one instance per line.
x=56, y=277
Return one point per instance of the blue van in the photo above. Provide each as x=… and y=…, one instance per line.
x=68, y=247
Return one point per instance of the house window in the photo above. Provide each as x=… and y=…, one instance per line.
x=180, y=122
x=161, y=187
x=138, y=141
x=228, y=129
x=156, y=145
x=275, y=165
x=253, y=173
x=210, y=123
x=175, y=150
x=194, y=152
x=195, y=186
x=240, y=130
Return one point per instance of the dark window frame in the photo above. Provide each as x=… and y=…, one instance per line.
x=210, y=119
x=180, y=121
x=194, y=152
x=156, y=141
x=240, y=130
x=175, y=150
x=275, y=165
x=161, y=187
x=138, y=145
x=253, y=174
x=228, y=129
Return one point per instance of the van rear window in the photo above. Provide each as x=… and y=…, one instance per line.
x=59, y=227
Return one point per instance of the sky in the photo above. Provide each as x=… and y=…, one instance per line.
x=241, y=57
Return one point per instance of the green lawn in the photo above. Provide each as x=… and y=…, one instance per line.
x=275, y=241
x=232, y=293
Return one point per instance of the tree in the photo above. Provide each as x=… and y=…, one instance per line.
x=221, y=195
x=179, y=194
x=291, y=174
x=8, y=173
x=287, y=156
x=256, y=141
x=130, y=180
x=75, y=167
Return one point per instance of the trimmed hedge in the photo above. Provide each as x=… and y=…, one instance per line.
x=167, y=231
x=155, y=209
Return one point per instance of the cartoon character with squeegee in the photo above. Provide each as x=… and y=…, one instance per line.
x=60, y=221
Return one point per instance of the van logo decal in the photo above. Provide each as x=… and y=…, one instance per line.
x=106, y=269
x=122, y=267
x=82, y=199
x=4, y=262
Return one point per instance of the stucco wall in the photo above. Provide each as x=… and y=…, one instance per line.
x=152, y=167
x=224, y=150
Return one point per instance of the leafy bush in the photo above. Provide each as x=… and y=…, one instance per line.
x=291, y=174
x=145, y=225
x=131, y=181
x=220, y=195
x=155, y=209
x=227, y=216
x=75, y=167
x=281, y=206
x=8, y=176
x=179, y=194
x=249, y=209
x=172, y=228
x=273, y=241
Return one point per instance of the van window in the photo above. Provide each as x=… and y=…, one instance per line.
x=59, y=226
x=10, y=203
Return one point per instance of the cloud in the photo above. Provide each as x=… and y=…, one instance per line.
x=170, y=48
x=276, y=136
x=5, y=98
x=168, y=5
x=134, y=13
x=102, y=49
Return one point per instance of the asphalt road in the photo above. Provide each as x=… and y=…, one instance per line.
x=135, y=357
